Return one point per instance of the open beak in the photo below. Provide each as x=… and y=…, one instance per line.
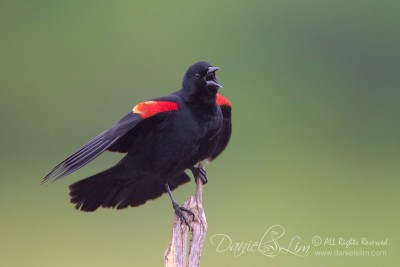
x=211, y=78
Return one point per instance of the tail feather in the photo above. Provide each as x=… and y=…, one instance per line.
x=118, y=188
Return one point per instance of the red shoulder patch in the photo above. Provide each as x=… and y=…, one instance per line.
x=150, y=108
x=223, y=101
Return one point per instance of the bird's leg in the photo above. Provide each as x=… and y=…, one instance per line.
x=178, y=209
x=199, y=172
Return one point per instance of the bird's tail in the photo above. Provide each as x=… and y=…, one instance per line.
x=117, y=188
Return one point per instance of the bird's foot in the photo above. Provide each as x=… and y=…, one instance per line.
x=179, y=212
x=200, y=173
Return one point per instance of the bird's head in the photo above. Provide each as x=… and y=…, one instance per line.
x=200, y=78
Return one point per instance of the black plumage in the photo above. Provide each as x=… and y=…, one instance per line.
x=162, y=138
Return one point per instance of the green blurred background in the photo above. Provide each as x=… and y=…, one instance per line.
x=315, y=146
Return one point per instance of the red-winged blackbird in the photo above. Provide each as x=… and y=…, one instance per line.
x=162, y=138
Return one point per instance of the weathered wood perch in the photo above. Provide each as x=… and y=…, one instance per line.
x=176, y=254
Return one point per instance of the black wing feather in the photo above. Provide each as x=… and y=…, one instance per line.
x=157, y=122
x=93, y=148
x=224, y=134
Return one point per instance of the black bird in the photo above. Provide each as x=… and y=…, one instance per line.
x=162, y=137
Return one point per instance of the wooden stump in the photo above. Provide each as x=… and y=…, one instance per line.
x=176, y=254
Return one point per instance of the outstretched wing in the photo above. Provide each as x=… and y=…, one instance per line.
x=226, y=129
x=162, y=110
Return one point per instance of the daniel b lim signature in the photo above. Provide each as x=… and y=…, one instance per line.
x=273, y=242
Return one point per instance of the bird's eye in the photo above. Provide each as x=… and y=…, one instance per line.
x=197, y=75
